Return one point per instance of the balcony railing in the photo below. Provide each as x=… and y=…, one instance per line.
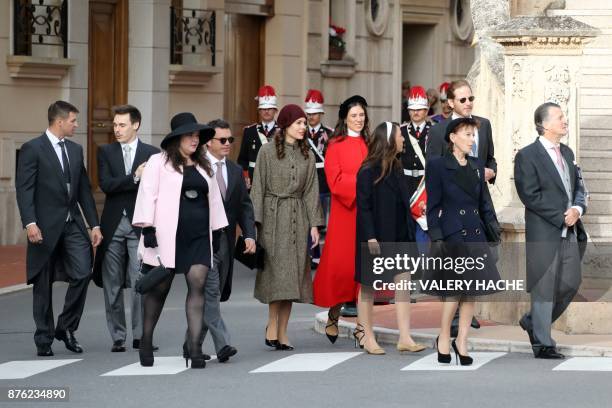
x=40, y=23
x=192, y=36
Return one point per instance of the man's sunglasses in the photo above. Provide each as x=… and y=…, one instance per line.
x=471, y=99
x=224, y=140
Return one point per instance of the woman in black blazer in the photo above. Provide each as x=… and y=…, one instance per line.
x=383, y=215
x=459, y=215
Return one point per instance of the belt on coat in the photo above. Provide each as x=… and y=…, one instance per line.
x=414, y=173
x=276, y=198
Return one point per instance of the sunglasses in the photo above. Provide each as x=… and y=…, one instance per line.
x=224, y=140
x=471, y=99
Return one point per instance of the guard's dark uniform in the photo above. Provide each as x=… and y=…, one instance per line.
x=251, y=143
x=414, y=169
x=318, y=147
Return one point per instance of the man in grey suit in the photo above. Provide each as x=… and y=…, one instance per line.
x=550, y=186
x=52, y=190
x=120, y=165
x=239, y=211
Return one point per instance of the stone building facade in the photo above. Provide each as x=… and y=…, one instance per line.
x=105, y=52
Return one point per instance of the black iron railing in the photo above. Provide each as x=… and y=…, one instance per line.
x=40, y=22
x=192, y=32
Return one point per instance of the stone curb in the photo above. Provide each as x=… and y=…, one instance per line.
x=390, y=336
x=14, y=288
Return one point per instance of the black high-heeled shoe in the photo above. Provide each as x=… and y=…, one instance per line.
x=197, y=361
x=358, y=334
x=146, y=356
x=461, y=359
x=186, y=352
x=272, y=343
x=333, y=322
x=442, y=358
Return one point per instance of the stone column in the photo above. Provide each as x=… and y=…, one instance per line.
x=149, y=50
x=542, y=57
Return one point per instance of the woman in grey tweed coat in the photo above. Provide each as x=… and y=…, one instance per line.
x=285, y=197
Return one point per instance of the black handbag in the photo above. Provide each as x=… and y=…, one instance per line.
x=251, y=261
x=150, y=278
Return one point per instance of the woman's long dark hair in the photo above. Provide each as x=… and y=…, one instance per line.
x=174, y=156
x=381, y=152
x=279, y=142
x=341, y=129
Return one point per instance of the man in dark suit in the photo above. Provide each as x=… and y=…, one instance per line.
x=120, y=165
x=51, y=184
x=239, y=211
x=461, y=100
x=550, y=186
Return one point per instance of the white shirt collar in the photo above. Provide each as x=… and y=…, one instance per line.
x=456, y=116
x=547, y=143
x=213, y=160
x=269, y=125
x=418, y=127
x=352, y=133
x=133, y=145
x=316, y=128
x=52, y=138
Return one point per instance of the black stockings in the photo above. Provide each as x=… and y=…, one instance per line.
x=194, y=306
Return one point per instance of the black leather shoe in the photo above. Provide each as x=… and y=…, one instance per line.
x=475, y=323
x=136, y=345
x=285, y=347
x=528, y=330
x=118, y=346
x=44, y=351
x=186, y=352
x=69, y=340
x=225, y=353
x=549, y=353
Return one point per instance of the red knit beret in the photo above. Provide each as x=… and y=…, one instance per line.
x=289, y=114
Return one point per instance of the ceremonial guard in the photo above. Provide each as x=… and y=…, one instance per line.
x=446, y=109
x=258, y=134
x=415, y=135
x=318, y=136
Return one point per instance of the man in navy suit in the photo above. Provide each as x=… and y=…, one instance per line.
x=550, y=186
x=239, y=211
x=120, y=165
x=51, y=185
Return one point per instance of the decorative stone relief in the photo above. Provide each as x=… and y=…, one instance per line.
x=558, y=85
x=376, y=16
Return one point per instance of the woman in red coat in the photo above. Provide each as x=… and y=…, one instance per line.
x=334, y=283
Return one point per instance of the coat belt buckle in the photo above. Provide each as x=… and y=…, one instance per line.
x=191, y=194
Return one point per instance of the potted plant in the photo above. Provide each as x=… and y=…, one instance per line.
x=337, y=46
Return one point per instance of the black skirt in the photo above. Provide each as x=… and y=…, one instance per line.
x=192, y=235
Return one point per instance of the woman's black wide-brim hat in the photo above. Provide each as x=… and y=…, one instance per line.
x=185, y=123
x=344, y=106
x=455, y=123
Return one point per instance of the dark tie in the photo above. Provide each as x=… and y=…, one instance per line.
x=418, y=133
x=265, y=129
x=65, y=162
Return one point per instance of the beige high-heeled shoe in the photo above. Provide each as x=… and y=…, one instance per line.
x=413, y=348
x=377, y=351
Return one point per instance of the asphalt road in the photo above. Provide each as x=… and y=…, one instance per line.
x=346, y=377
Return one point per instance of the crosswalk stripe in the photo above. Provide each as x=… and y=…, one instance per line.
x=430, y=362
x=585, y=364
x=23, y=369
x=306, y=362
x=161, y=366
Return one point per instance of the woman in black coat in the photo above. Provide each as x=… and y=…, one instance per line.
x=383, y=216
x=460, y=216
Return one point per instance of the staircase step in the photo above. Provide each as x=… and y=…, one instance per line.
x=600, y=204
x=593, y=143
x=600, y=162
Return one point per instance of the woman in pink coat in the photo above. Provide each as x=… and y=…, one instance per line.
x=178, y=207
